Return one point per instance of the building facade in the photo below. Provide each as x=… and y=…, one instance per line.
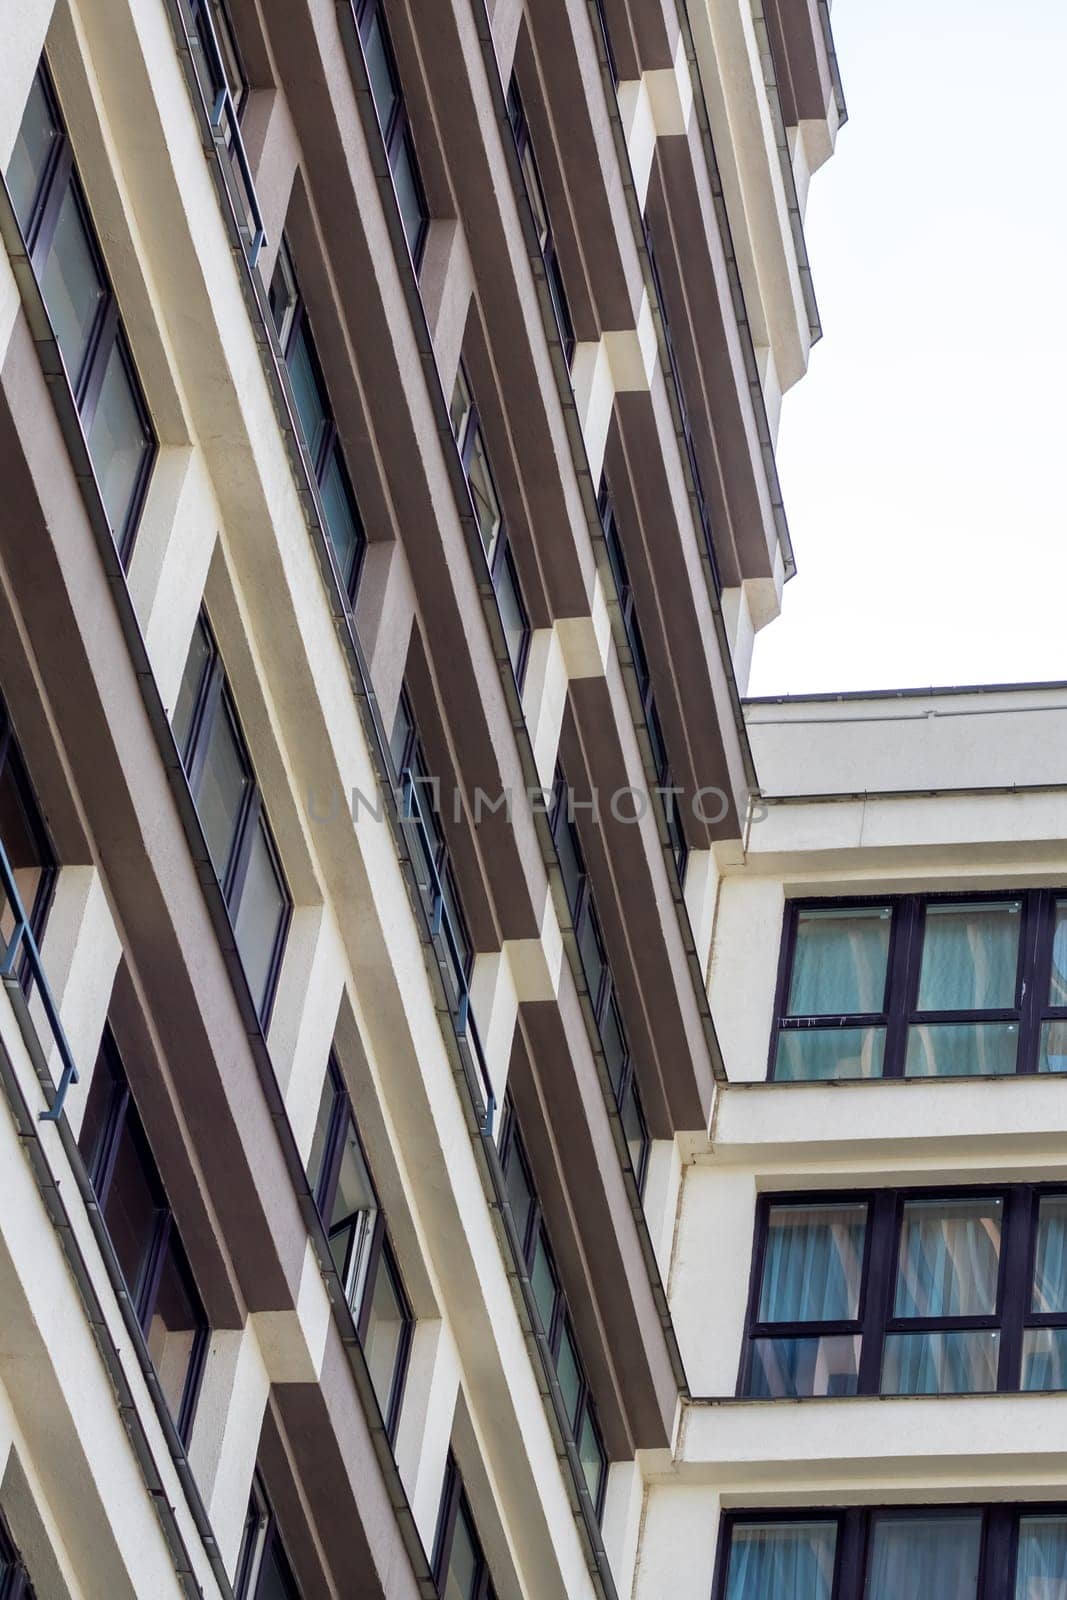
x=481, y=1102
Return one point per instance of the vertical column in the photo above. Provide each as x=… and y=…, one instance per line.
x=225, y=1441
x=305, y=1014
x=422, y=1445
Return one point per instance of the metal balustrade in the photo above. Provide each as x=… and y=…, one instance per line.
x=20, y=954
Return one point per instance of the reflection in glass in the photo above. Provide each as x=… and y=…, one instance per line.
x=385, y=1332
x=839, y=961
x=1050, y=1256
x=806, y=1054
x=259, y=918
x=591, y=1455
x=71, y=286
x=1044, y=1358
x=949, y=1258
x=1041, y=1565
x=792, y=1368
x=33, y=148
x=1057, y=990
x=932, y=1557
x=781, y=1561
x=173, y=1331
x=118, y=442
x=813, y=1263
x=962, y=1049
x=970, y=957
x=1052, y=1054
x=959, y=1362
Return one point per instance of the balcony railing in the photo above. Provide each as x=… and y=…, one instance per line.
x=18, y=957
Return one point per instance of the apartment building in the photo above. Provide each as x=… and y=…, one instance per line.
x=486, y=1111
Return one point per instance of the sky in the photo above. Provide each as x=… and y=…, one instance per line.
x=923, y=457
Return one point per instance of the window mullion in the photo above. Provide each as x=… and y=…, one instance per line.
x=884, y=1226
x=1020, y=1223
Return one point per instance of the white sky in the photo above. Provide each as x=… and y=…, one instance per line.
x=923, y=456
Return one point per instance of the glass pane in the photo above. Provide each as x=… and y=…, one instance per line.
x=259, y=918
x=342, y=518
x=949, y=1258
x=1052, y=1055
x=805, y=1054
x=776, y=1560
x=311, y=410
x=323, y=1118
x=839, y=961
x=613, y=1043
x=130, y=1211
x=532, y=180
x=1044, y=1358
x=463, y=1563
x=117, y=442
x=399, y=739
x=383, y=85
x=970, y=957
x=385, y=1332
x=72, y=287
x=520, y=1193
x=959, y=1050
x=790, y=1368
x=634, y=1128
x=543, y=1282
x=512, y=611
x=483, y=493
x=189, y=689
x=221, y=792
x=570, y=861
x=591, y=950
x=282, y=296
x=104, y=1093
x=408, y=194
x=276, y=1581
x=813, y=1263
x=591, y=1455
x=1057, y=989
x=1050, y=1257
x=172, y=1332
x=1041, y=1567
x=351, y=1220
x=33, y=148
x=941, y=1363
x=569, y=1373
x=928, y=1556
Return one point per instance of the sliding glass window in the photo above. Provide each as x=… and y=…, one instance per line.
x=144, y=1235
x=315, y=420
x=923, y=986
x=363, y=1255
x=1000, y=1552
x=230, y=806
x=907, y=1293
x=388, y=95
x=65, y=255
x=264, y=1571
x=460, y=1569
x=485, y=502
x=224, y=85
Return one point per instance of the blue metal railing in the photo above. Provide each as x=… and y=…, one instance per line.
x=446, y=939
x=19, y=951
x=225, y=128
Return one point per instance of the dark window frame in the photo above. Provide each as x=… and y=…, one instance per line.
x=122, y=1117
x=903, y=968
x=12, y=761
x=262, y=1537
x=512, y=1148
x=108, y=336
x=213, y=698
x=500, y=557
x=328, y=447
x=557, y=288
x=397, y=133
x=453, y=1501
x=875, y=1319
x=380, y=1249
x=643, y=675
x=998, y=1548
x=14, y=1578
x=604, y=1000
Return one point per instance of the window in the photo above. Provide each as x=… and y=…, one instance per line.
x=433, y=869
x=224, y=85
x=536, y=1250
x=318, y=430
x=535, y=194
x=144, y=1235
x=388, y=96
x=348, y=1204
x=231, y=811
x=460, y=1569
x=485, y=503
x=598, y=977
x=264, y=1571
x=24, y=841
x=65, y=255
x=617, y=559
x=909, y=1292
x=14, y=1579
x=1000, y=1552
x=923, y=986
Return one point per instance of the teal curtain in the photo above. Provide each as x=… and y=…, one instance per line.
x=839, y=962
x=923, y=1558
x=1041, y=1571
x=970, y=957
x=949, y=1258
x=782, y=1561
x=812, y=1264
x=963, y=1361
x=1050, y=1261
